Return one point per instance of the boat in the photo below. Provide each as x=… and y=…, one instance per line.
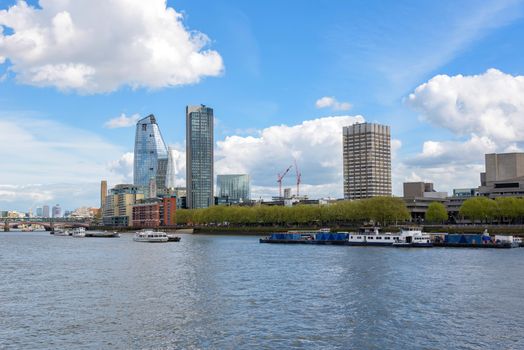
x=173, y=238
x=61, y=232
x=78, y=232
x=413, y=237
x=102, y=234
x=150, y=236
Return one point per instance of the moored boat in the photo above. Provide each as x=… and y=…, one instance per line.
x=61, y=232
x=172, y=237
x=150, y=236
x=78, y=232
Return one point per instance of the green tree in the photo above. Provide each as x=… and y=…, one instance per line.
x=436, y=212
x=480, y=209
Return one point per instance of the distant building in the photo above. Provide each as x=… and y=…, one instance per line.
x=45, y=211
x=504, y=175
x=199, y=156
x=287, y=193
x=150, y=154
x=418, y=196
x=57, y=211
x=118, y=210
x=234, y=188
x=367, y=160
x=465, y=192
x=39, y=212
x=103, y=193
x=154, y=212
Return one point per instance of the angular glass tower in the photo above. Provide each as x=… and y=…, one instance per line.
x=150, y=154
x=199, y=156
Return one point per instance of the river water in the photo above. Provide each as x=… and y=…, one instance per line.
x=217, y=292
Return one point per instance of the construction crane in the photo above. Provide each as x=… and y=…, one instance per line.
x=299, y=178
x=279, y=180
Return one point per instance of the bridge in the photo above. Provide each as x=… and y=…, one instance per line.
x=47, y=223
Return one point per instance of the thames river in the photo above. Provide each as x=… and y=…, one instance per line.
x=218, y=292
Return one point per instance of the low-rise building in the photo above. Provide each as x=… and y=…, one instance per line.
x=154, y=212
x=118, y=209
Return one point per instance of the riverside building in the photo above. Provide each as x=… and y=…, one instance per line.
x=504, y=175
x=118, y=209
x=199, y=156
x=233, y=189
x=151, y=156
x=367, y=160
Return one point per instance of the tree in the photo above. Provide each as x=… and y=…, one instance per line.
x=436, y=212
x=479, y=209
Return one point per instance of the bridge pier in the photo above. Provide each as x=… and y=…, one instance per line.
x=6, y=226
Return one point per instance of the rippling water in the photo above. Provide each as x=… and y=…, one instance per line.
x=215, y=292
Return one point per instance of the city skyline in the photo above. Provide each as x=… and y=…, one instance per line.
x=279, y=92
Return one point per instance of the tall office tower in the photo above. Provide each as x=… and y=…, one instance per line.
x=57, y=211
x=45, y=211
x=150, y=154
x=199, y=156
x=171, y=168
x=103, y=194
x=367, y=160
x=39, y=212
x=233, y=188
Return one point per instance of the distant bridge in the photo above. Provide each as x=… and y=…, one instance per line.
x=47, y=223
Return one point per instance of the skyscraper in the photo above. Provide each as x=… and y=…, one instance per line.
x=367, y=160
x=39, y=212
x=57, y=211
x=199, y=156
x=171, y=168
x=150, y=154
x=234, y=188
x=103, y=193
x=45, y=211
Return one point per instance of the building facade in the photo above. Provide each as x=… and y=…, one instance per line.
x=504, y=175
x=45, y=211
x=57, y=211
x=150, y=161
x=118, y=209
x=234, y=188
x=103, y=193
x=199, y=156
x=367, y=160
x=154, y=212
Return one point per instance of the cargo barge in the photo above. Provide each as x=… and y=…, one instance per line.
x=408, y=238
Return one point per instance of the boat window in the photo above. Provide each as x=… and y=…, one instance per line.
x=370, y=237
x=359, y=237
x=387, y=237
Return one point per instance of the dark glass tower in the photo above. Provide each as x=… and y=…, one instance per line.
x=199, y=156
x=150, y=154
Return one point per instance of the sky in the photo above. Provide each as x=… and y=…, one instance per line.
x=283, y=79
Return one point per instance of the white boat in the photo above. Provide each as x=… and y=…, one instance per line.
x=61, y=232
x=78, y=232
x=410, y=237
x=413, y=237
x=151, y=236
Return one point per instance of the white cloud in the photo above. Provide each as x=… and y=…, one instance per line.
x=489, y=105
x=71, y=46
x=123, y=166
x=331, y=102
x=122, y=121
x=485, y=114
x=316, y=144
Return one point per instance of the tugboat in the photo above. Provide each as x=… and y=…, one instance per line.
x=150, y=236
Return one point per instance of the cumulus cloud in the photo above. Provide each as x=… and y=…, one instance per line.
x=488, y=105
x=316, y=144
x=71, y=46
x=484, y=112
x=331, y=102
x=122, y=121
x=123, y=166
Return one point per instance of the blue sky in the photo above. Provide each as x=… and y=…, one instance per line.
x=278, y=59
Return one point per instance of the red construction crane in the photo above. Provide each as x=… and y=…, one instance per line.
x=279, y=180
x=299, y=177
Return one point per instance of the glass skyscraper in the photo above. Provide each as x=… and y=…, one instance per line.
x=199, y=156
x=233, y=188
x=150, y=154
x=171, y=168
